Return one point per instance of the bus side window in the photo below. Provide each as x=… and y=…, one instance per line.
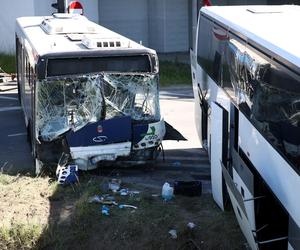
x=216, y=72
x=204, y=45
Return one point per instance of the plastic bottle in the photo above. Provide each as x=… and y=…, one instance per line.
x=167, y=192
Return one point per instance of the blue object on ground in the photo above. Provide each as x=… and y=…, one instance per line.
x=105, y=210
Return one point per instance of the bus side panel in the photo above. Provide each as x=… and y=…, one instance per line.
x=199, y=121
x=28, y=89
x=21, y=63
x=239, y=208
x=275, y=171
x=218, y=134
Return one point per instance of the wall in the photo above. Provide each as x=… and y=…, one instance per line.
x=176, y=26
x=169, y=25
x=10, y=10
x=129, y=18
x=156, y=15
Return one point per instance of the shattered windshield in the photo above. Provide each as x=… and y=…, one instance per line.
x=134, y=95
x=65, y=103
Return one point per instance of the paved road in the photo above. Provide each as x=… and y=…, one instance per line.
x=176, y=108
x=14, y=149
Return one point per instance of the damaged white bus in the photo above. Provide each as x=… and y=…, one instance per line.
x=87, y=92
x=246, y=82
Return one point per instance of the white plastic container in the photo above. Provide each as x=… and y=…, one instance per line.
x=167, y=192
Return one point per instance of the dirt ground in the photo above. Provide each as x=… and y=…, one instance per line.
x=36, y=213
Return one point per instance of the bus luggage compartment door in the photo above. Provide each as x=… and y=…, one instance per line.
x=219, y=149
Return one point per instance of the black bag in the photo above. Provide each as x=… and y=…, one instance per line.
x=188, y=188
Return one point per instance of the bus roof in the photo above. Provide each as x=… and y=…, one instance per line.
x=274, y=27
x=68, y=34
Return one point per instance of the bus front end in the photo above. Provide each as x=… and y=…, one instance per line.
x=111, y=116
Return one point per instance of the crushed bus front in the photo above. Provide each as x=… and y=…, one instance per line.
x=102, y=117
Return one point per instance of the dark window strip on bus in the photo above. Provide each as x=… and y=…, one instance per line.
x=271, y=105
x=85, y=65
x=283, y=62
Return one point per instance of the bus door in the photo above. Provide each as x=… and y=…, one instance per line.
x=219, y=150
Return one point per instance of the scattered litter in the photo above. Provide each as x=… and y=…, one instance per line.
x=106, y=202
x=67, y=174
x=127, y=206
x=114, y=185
x=104, y=199
x=124, y=192
x=105, y=210
x=108, y=197
x=173, y=234
x=132, y=193
x=95, y=199
x=191, y=225
x=167, y=192
x=188, y=188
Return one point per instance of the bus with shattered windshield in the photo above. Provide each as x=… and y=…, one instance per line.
x=246, y=81
x=89, y=95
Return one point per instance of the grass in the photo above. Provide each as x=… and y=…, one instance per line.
x=19, y=236
x=8, y=63
x=172, y=73
x=74, y=223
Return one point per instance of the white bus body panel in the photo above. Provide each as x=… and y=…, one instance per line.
x=242, y=220
x=276, y=172
x=249, y=204
x=195, y=81
x=216, y=154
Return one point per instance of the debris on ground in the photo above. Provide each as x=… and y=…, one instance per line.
x=59, y=210
x=114, y=185
x=105, y=210
x=95, y=199
x=167, y=192
x=127, y=206
x=191, y=225
x=103, y=199
x=67, y=174
x=173, y=234
x=126, y=192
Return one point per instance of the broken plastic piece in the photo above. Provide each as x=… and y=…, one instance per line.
x=127, y=206
x=124, y=192
x=105, y=210
x=67, y=174
x=173, y=233
x=114, y=185
x=95, y=199
x=191, y=225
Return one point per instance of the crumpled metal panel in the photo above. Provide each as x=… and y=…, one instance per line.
x=65, y=103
